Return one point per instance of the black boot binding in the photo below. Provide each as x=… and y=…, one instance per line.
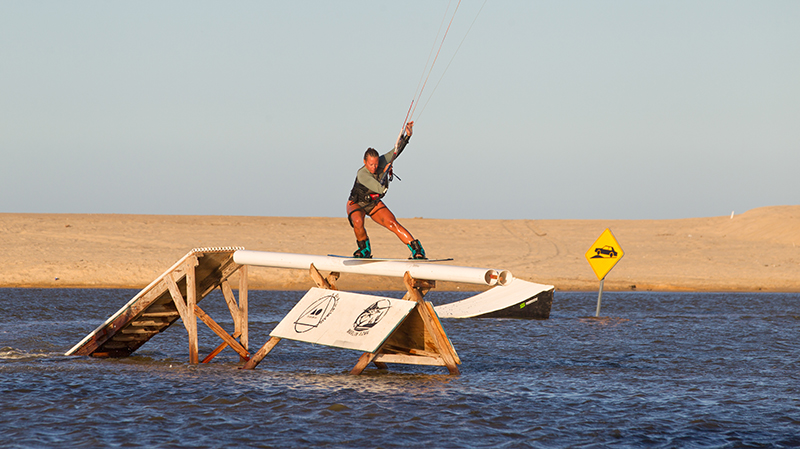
x=417, y=252
x=363, y=251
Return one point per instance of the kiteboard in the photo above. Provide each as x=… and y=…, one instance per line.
x=378, y=259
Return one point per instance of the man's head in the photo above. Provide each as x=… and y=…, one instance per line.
x=371, y=160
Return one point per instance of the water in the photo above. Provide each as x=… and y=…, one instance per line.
x=663, y=370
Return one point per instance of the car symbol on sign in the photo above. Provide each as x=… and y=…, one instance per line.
x=606, y=251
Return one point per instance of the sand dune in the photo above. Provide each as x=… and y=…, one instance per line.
x=755, y=251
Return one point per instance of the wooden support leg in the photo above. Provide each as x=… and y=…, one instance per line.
x=434, y=327
x=333, y=276
x=363, y=361
x=416, y=288
x=221, y=332
x=441, y=352
x=326, y=283
x=238, y=311
x=186, y=312
x=259, y=356
x=177, y=297
x=243, y=307
x=416, y=291
x=191, y=323
x=218, y=349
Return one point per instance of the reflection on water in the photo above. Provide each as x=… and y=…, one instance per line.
x=661, y=370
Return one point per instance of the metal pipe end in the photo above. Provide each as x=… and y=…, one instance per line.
x=505, y=277
x=491, y=277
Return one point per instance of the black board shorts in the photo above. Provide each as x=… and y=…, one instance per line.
x=367, y=207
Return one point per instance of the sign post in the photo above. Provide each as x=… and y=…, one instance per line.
x=602, y=256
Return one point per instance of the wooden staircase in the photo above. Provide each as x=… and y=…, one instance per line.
x=175, y=294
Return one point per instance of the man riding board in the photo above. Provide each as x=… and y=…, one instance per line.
x=372, y=182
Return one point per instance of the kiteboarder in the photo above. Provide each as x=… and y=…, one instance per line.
x=371, y=184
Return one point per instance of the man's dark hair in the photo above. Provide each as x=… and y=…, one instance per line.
x=371, y=152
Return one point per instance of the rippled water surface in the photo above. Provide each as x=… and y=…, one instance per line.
x=661, y=370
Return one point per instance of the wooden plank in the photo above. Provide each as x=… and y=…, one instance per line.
x=442, y=335
x=160, y=314
x=413, y=293
x=227, y=338
x=422, y=284
x=332, y=277
x=390, y=349
x=410, y=335
x=318, y=279
x=413, y=333
x=177, y=297
x=218, y=349
x=259, y=356
x=181, y=307
x=148, y=323
x=441, y=345
x=363, y=361
x=226, y=270
x=120, y=337
x=148, y=299
x=244, y=305
x=191, y=303
x=238, y=311
x=410, y=359
x=230, y=300
x=210, y=281
x=139, y=331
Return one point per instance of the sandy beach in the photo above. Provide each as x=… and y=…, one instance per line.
x=758, y=250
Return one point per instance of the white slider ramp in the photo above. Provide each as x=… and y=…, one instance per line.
x=519, y=299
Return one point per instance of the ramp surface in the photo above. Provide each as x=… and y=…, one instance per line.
x=520, y=299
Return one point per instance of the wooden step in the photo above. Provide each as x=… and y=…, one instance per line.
x=149, y=323
x=172, y=314
x=139, y=331
x=120, y=338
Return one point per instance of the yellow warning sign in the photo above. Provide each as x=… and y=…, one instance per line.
x=604, y=254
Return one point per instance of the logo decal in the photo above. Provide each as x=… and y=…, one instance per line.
x=371, y=316
x=316, y=313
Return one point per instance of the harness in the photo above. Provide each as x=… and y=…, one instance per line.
x=367, y=199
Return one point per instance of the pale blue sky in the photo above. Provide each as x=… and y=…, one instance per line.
x=559, y=109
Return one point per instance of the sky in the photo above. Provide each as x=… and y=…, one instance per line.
x=533, y=109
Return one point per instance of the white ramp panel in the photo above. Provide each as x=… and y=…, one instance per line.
x=343, y=320
x=520, y=299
